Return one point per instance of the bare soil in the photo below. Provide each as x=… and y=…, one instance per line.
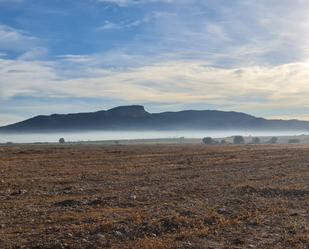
x=154, y=196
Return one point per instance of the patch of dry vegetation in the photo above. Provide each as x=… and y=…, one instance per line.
x=158, y=196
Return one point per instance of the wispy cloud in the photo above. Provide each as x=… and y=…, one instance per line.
x=76, y=58
x=14, y=39
x=168, y=82
x=108, y=25
x=124, y=3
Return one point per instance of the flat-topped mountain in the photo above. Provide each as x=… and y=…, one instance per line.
x=135, y=117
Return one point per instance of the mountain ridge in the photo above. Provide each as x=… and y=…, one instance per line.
x=135, y=117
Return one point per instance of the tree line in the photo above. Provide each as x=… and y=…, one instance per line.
x=241, y=140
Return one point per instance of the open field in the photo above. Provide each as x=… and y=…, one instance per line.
x=154, y=196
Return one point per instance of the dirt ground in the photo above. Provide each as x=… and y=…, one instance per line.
x=154, y=196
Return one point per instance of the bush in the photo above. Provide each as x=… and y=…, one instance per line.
x=223, y=141
x=61, y=141
x=238, y=140
x=209, y=140
x=256, y=140
x=273, y=140
x=294, y=141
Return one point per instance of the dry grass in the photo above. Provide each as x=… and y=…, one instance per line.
x=154, y=197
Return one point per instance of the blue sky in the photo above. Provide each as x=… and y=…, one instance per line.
x=65, y=56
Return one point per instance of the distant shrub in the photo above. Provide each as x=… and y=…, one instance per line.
x=223, y=141
x=181, y=139
x=294, y=141
x=273, y=140
x=61, y=141
x=256, y=140
x=238, y=140
x=209, y=140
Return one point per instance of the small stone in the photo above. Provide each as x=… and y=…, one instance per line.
x=101, y=239
x=253, y=223
x=221, y=210
x=119, y=234
x=187, y=243
x=100, y=236
x=238, y=241
x=84, y=240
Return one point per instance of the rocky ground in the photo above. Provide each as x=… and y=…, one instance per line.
x=154, y=196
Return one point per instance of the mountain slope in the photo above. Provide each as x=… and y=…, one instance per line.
x=136, y=118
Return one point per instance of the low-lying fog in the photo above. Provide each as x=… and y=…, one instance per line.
x=125, y=135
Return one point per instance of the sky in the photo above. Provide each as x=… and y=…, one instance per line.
x=63, y=56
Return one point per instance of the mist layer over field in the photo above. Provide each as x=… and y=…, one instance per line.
x=131, y=135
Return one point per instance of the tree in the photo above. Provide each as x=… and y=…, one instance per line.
x=256, y=140
x=223, y=141
x=293, y=141
x=208, y=140
x=238, y=140
x=61, y=141
x=273, y=140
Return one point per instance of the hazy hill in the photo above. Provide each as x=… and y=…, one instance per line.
x=136, y=118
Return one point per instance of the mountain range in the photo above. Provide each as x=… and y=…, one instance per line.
x=135, y=117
